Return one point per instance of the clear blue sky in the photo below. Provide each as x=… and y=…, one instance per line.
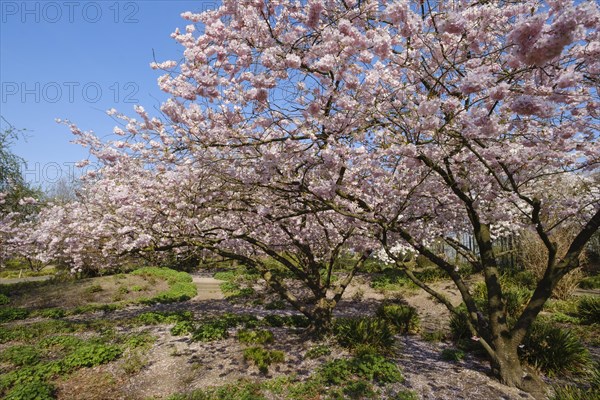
x=74, y=60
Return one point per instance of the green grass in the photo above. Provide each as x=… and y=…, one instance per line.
x=181, y=287
x=391, y=279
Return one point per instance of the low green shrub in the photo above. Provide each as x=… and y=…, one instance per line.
x=402, y=316
x=405, y=395
x=590, y=282
x=433, y=336
x=452, y=355
x=568, y=307
x=36, y=390
x=554, y=350
x=93, y=289
x=234, y=291
x=255, y=336
x=242, y=390
x=226, y=276
x=460, y=333
x=209, y=331
x=375, y=367
x=358, y=389
x=55, y=313
x=367, y=365
x=8, y=314
x=276, y=305
x=317, y=351
x=392, y=279
x=143, y=340
x=37, y=330
x=431, y=274
x=335, y=372
x=588, y=389
x=21, y=355
x=293, y=321
x=4, y=299
x=356, y=332
x=263, y=358
x=183, y=328
x=156, y=317
x=91, y=354
x=588, y=309
x=60, y=343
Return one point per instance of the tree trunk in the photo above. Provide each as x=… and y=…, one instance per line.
x=321, y=318
x=508, y=369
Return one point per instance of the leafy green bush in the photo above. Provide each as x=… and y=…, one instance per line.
x=242, y=390
x=405, y=395
x=157, y=317
x=460, y=333
x=263, y=358
x=587, y=390
x=4, y=299
x=293, y=321
x=431, y=274
x=367, y=365
x=402, y=316
x=234, y=291
x=375, y=367
x=452, y=354
x=8, y=314
x=216, y=328
x=93, y=289
x=91, y=354
x=21, y=355
x=358, y=389
x=37, y=330
x=433, y=336
x=183, y=328
x=554, y=350
x=356, y=332
x=317, y=351
x=335, y=372
x=588, y=309
x=255, y=336
x=35, y=390
x=51, y=313
x=60, y=343
x=590, y=282
x=142, y=340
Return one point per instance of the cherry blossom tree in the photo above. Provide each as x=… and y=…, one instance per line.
x=297, y=130
x=432, y=118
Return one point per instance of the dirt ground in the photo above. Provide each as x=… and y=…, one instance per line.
x=177, y=364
